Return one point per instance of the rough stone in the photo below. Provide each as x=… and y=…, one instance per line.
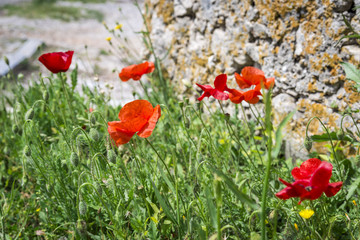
x=297, y=43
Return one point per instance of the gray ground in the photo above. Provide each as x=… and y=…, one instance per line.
x=63, y=36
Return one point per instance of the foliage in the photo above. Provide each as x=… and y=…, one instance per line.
x=203, y=173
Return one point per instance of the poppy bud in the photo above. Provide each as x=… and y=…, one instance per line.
x=81, y=141
x=45, y=95
x=111, y=156
x=27, y=151
x=6, y=61
x=29, y=114
x=94, y=135
x=308, y=144
x=15, y=129
x=74, y=158
x=82, y=208
x=181, y=104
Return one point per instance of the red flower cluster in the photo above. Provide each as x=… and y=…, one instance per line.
x=251, y=76
x=311, y=181
x=136, y=71
x=218, y=91
x=136, y=116
x=57, y=61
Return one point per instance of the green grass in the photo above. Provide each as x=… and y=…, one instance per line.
x=199, y=172
x=39, y=11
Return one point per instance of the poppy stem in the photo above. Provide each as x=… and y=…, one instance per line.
x=162, y=160
x=63, y=81
x=268, y=128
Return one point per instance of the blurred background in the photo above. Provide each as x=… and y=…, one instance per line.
x=103, y=34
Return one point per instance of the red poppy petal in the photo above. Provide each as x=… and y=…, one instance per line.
x=205, y=88
x=134, y=125
x=253, y=100
x=253, y=75
x=322, y=175
x=220, y=95
x=269, y=83
x=306, y=169
x=333, y=188
x=285, y=182
x=242, y=81
x=286, y=193
x=220, y=82
x=126, y=73
x=150, y=125
x=235, y=96
x=136, y=109
x=57, y=61
x=251, y=96
x=118, y=135
x=205, y=94
x=141, y=69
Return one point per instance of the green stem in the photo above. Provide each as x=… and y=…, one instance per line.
x=63, y=80
x=162, y=160
x=268, y=164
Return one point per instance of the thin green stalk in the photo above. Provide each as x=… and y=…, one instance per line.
x=268, y=128
x=161, y=159
x=63, y=79
x=177, y=199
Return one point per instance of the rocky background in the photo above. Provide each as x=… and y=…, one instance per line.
x=296, y=41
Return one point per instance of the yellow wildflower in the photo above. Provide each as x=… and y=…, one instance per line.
x=108, y=39
x=118, y=27
x=306, y=213
x=296, y=227
x=221, y=141
x=354, y=202
x=184, y=217
x=38, y=210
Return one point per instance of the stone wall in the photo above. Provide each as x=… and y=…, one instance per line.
x=293, y=40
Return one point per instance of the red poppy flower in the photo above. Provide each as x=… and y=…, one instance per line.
x=136, y=116
x=57, y=61
x=311, y=181
x=253, y=76
x=136, y=71
x=250, y=96
x=218, y=91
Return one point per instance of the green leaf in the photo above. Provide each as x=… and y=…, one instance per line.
x=167, y=209
x=325, y=137
x=278, y=134
x=241, y=196
x=352, y=188
x=351, y=72
x=211, y=207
